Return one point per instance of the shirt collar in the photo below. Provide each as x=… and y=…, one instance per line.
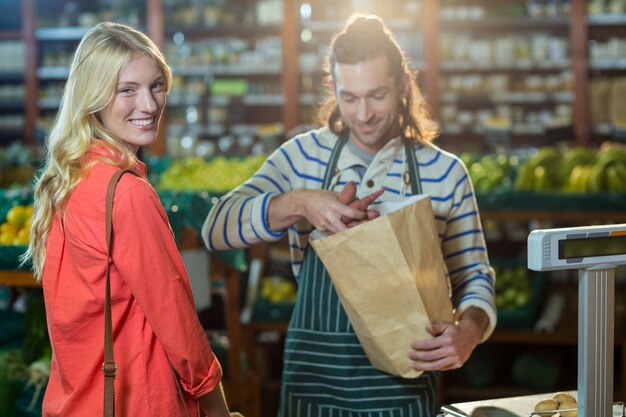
x=391, y=149
x=99, y=150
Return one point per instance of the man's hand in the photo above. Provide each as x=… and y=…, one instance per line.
x=324, y=209
x=348, y=196
x=452, y=343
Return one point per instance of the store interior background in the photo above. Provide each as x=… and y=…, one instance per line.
x=513, y=84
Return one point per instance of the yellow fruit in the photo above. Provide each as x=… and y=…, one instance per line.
x=23, y=235
x=596, y=180
x=568, y=406
x=20, y=240
x=549, y=404
x=17, y=216
x=7, y=238
x=524, y=179
x=563, y=397
x=8, y=228
x=541, y=181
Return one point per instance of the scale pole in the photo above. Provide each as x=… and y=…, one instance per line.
x=596, y=301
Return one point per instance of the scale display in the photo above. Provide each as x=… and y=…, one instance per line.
x=576, y=247
x=595, y=251
x=592, y=247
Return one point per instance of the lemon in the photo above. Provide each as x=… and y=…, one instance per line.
x=8, y=228
x=23, y=236
x=20, y=241
x=7, y=238
x=17, y=216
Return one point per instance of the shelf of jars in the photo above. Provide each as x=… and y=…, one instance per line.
x=513, y=88
x=606, y=48
x=12, y=90
x=607, y=69
x=226, y=59
x=58, y=15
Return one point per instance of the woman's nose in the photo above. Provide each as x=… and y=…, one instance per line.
x=147, y=102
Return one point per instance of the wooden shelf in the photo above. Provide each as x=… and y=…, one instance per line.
x=18, y=279
x=561, y=216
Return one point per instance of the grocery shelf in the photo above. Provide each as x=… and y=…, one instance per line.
x=11, y=105
x=612, y=64
x=561, y=216
x=200, y=32
x=11, y=76
x=61, y=33
x=507, y=25
x=10, y=35
x=513, y=97
x=422, y=25
x=607, y=20
x=18, y=278
x=53, y=73
x=229, y=69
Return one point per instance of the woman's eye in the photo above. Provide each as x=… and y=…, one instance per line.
x=126, y=90
x=158, y=86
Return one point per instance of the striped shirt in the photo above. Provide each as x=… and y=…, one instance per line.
x=239, y=219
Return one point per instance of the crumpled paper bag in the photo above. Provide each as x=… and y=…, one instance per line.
x=392, y=280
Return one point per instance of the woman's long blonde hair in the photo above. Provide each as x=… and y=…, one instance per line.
x=91, y=85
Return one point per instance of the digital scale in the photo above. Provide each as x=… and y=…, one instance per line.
x=595, y=251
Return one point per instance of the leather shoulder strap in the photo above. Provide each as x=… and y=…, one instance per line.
x=109, y=367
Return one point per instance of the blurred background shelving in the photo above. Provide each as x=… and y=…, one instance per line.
x=503, y=79
x=521, y=73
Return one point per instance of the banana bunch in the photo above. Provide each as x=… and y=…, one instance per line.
x=539, y=172
x=605, y=172
x=576, y=170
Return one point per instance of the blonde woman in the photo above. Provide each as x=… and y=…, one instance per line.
x=112, y=104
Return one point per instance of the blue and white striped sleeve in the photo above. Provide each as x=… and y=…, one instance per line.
x=465, y=251
x=239, y=219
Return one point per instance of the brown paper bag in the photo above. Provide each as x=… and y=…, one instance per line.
x=392, y=280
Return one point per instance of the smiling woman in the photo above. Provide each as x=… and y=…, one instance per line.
x=134, y=111
x=112, y=103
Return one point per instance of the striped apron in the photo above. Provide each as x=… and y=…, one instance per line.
x=326, y=372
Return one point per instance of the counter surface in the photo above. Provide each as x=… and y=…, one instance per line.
x=511, y=407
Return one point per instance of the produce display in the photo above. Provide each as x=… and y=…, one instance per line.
x=576, y=170
x=219, y=174
x=16, y=165
x=562, y=403
x=491, y=172
x=276, y=299
x=15, y=229
x=514, y=287
x=278, y=290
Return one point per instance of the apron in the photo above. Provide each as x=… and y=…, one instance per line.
x=326, y=372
